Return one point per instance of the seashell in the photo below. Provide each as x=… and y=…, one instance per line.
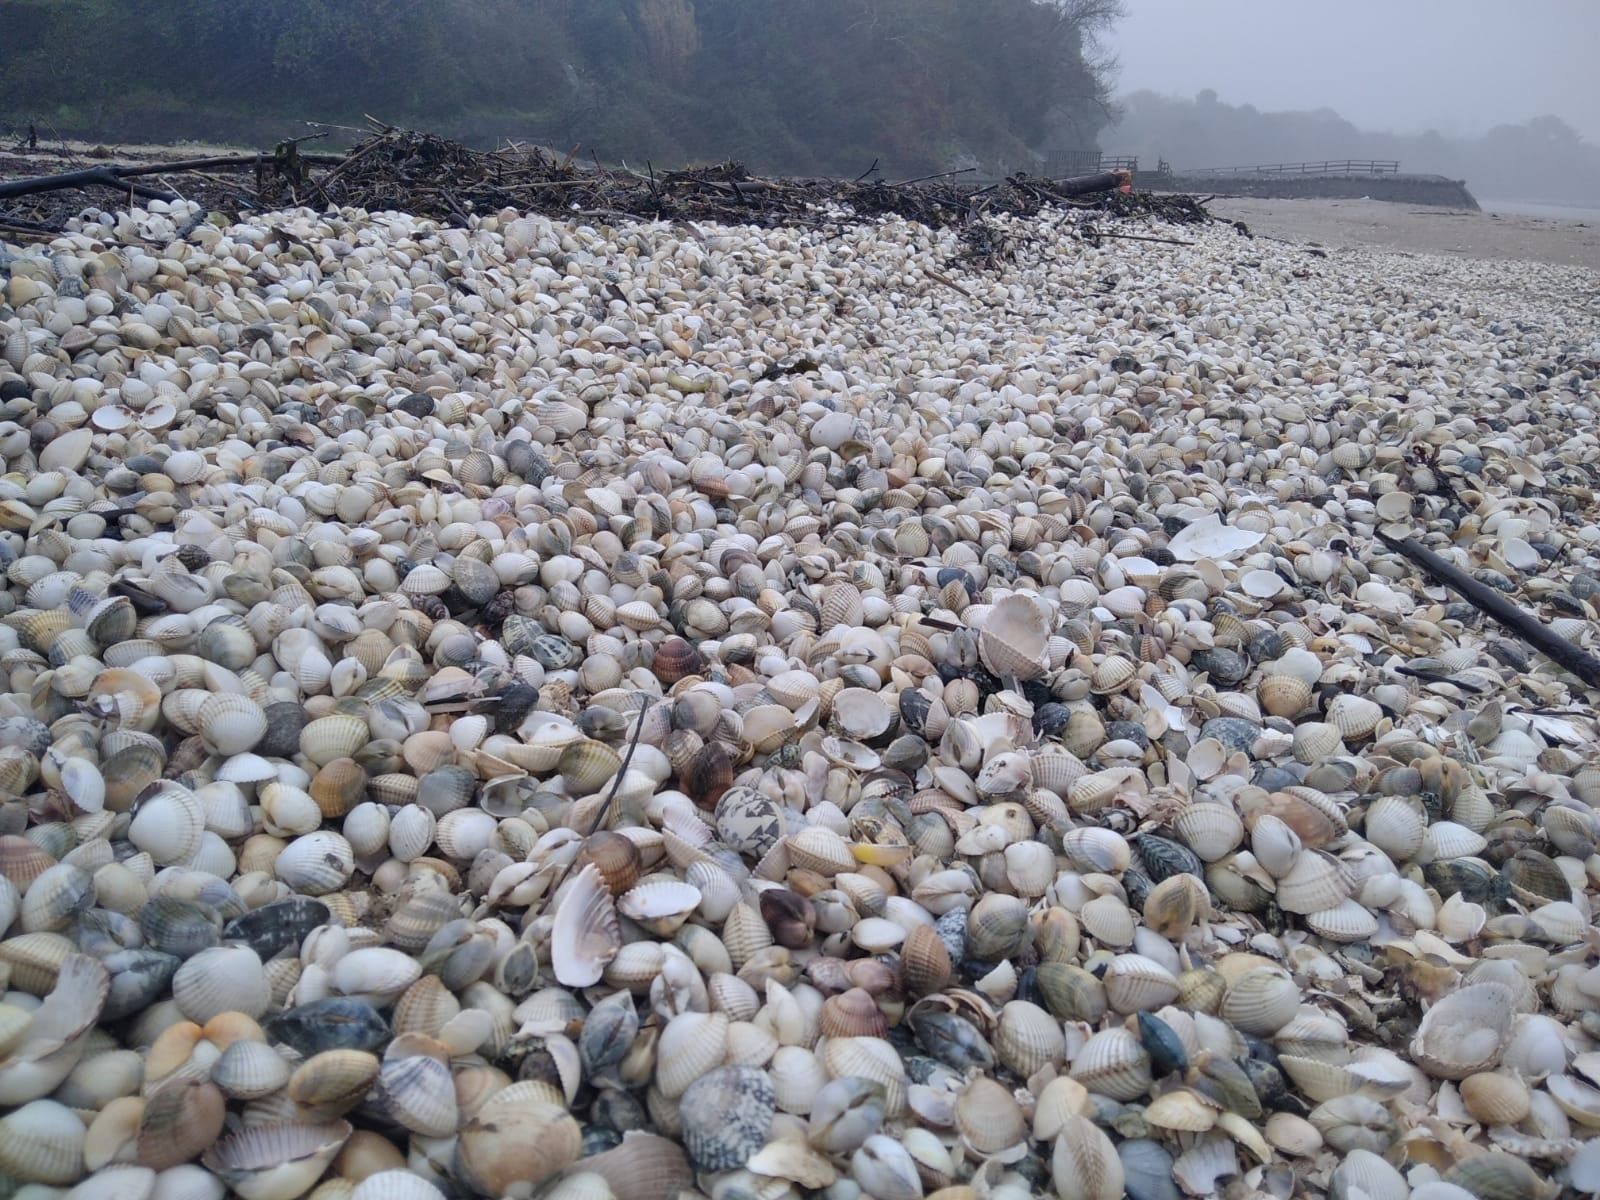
x=1212, y=831
x=417, y=1091
x=870, y=1059
x=1283, y=695
x=1014, y=639
x=1084, y=1164
x=586, y=935
x=250, y=1070
x=691, y=1045
x=1181, y=1110
x=819, y=849
x=1261, y=1001
x=1495, y=1098
x=1346, y=922
x=990, y=1121
x=1134, y=983
x=42, y=1142
x=643, y=1165
x=1396, y=825
x=1113, y=1063
x=221, y=979
x=1363, y=1173
x=180, y=1119
x=925, y=965
x=333, y=1079
x=661, y=906
x=798, y=1080
x=316, y=864
x=1464, y=1033
x=1107, y=920
x=275, y=1161
x=1175, y=905
x=1355, y=717
x=727, y=1114
x=1027, y=1038
x=1497, y=1176
x=1316, y=881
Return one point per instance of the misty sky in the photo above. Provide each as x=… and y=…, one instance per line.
x=1458, y=66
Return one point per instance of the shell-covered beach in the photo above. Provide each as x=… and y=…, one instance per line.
x=559, y=708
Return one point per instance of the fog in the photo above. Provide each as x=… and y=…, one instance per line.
x=1404, y=66
x=1465, y=88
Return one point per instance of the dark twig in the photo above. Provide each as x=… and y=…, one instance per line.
x=1492, y=604
x=616, y=782
x=867, y=172
x=1135, y=237
x=927, y=178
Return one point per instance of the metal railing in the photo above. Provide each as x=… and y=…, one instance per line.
x=1086, y=162
x=1334, y=166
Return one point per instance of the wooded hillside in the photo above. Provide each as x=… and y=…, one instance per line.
x=799, y=86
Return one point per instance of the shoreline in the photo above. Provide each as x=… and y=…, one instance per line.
x=1456, y=233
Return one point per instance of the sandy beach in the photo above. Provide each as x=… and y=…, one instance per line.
x=1405, y=227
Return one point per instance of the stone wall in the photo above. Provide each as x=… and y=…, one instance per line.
x=1404, y=189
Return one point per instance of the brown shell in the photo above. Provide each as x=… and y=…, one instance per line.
x=924, y=962
x=707, y=774
x=338, y=787
x=676, y=659
x=1315, y=819
x=616, y=857
x=789, y=915
x=182, y=1119
x=853, y=1013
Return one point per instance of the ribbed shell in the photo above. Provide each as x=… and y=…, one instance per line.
x=1113, y=1063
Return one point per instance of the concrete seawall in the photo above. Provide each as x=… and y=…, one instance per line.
x=1404, y=189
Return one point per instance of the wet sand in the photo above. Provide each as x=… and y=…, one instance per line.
x=1405, y=227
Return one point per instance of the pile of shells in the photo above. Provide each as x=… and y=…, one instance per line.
x=538, y=710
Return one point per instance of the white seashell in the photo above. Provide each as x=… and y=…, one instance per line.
x=221, y=979
x=375, y=971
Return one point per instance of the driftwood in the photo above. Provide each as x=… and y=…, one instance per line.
x=110, y=177
x=1492, y=604
x=434, y=177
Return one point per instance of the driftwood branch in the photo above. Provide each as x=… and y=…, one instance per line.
x=1135, y=237
x=1492, y=604
x=101, y=176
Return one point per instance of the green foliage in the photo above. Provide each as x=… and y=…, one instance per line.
x=804, y=86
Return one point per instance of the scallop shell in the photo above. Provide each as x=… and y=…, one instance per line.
x=1283, y=695
x=1355, y=717
x=870, y=1059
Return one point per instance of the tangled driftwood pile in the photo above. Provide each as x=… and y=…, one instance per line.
x=422, y=173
